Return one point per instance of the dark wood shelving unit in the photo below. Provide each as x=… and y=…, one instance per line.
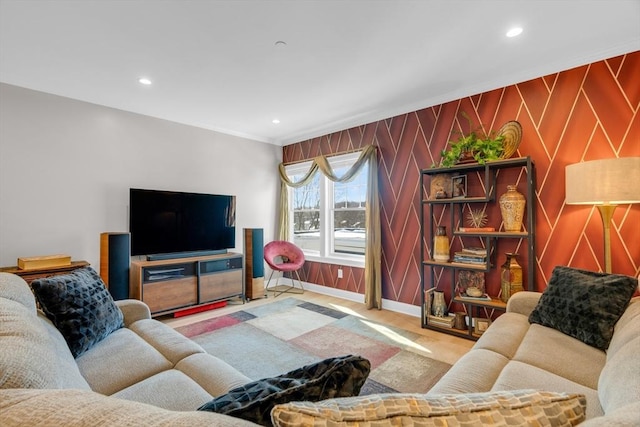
x=451, y=213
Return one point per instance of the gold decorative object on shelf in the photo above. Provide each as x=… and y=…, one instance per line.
x=477, y=218
x=441, y=244
x=512, y=209
x=510, y=277
x=512, y=133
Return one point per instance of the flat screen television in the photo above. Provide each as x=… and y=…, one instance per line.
x=174, y=223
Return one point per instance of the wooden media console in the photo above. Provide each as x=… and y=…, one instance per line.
x=172, y=285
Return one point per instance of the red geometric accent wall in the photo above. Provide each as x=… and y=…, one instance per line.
x=585, y=113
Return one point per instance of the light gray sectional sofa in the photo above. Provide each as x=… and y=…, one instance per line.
x=146, y=361
x=514, y=354
x=148, y=374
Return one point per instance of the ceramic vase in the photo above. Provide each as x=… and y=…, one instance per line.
x=512, y=209
x=438, y=306
x=441, y=245
x=510, y=277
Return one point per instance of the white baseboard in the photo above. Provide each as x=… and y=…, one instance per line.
x=398, y=307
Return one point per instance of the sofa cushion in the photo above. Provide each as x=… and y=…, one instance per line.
x=33, y=354
x=518, y=375
x=120, y=360
x=170, y=343
x=80, y=306
x=193, y=382
x=169, y=389
x=584, y=304
x=214, y=375
x=522, y=407
x=334, y=377
x=568, y=353
x=507, y=332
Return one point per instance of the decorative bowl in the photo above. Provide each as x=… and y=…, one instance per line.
x=512, y=133
x=472, y=291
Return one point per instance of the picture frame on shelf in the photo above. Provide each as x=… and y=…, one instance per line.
x=480, y=325
x=458, y=186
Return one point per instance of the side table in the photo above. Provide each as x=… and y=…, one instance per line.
x=37, y=273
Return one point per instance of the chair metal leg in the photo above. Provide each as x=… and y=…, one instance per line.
x=299, y=281
x=292, y=289
x=266, y=288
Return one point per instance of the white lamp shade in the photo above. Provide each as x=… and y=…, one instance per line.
x=603, y=182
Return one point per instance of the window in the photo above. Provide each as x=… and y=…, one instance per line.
x=305, y=202
x=327, y=219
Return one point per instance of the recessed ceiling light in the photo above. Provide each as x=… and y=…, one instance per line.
x=275, y=121
x=144, y=81
x=515, y=31
x=280, y=43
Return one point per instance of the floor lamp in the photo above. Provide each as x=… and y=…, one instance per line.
x=605, y=183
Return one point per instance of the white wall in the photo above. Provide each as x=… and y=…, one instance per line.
x=66, y=167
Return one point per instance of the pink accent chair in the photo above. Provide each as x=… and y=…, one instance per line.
x=285, y=257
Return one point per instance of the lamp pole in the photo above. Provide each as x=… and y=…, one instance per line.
x=606, y=212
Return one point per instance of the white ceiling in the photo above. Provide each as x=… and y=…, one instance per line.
x=216, y=65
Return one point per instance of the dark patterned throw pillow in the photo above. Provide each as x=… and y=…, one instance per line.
x=584, y=304
x=80, y=306
x=333, y=377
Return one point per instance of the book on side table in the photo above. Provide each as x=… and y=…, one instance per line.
x=47, y=261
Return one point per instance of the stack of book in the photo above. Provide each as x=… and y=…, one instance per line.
x=442, y=322
x=471, y=256
x=483, y=297
x=476, y=229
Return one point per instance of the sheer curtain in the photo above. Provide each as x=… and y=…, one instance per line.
x=373, y=250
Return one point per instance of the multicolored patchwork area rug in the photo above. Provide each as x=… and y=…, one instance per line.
x=271, y=339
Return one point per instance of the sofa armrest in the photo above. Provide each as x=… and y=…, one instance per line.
x=523, y=302
x=84, y=408
x=133, y=310
x=627, y=415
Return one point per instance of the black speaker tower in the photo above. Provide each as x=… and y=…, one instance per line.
x=115, y=256
x=254, y=263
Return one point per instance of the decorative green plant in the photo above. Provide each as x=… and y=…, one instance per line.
x=476, y=145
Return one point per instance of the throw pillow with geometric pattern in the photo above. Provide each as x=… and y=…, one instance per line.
x=80, y=306
x=584, y=304
x=495, y=408
x=333, y=377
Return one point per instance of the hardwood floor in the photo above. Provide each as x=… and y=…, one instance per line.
x=443, y=347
